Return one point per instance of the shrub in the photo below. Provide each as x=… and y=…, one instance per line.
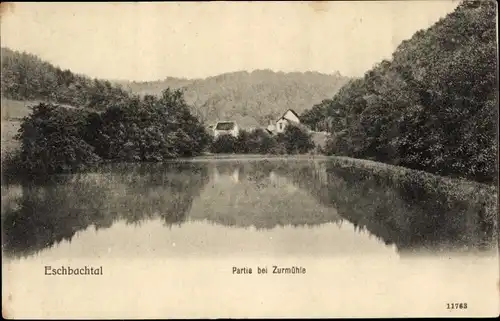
x=261, y=142
x=278, y=149
x=336, y=144
x=61, y=140
x=242, y=143
x=295, y=139
x=257, y=141
x=151, y=129
x=224, y=144
x=12, y=167
x=52, y=141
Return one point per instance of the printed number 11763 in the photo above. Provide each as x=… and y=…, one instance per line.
x=456, y=306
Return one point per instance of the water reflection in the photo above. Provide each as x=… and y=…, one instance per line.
x=415, y=214
x=40, y=216
x=250, y=194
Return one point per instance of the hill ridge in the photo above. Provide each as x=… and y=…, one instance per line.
x=251, y=98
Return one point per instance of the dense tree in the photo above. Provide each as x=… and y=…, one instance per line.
x=249, y=98
x=295, y=140
x=52, y=141
x=149, y=129
x=224, y=144
x=56, y=139
x=27, y=77
x=257, y=141
x=315, y=117
x=432, y=107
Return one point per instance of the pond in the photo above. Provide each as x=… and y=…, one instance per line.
x=208, y=222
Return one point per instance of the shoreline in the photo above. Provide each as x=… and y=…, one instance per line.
x=10, y=146
x=394, y=172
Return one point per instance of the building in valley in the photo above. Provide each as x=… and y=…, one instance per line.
x=289, y=117
x=226, y=128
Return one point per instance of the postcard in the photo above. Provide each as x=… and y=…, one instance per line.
x=229, y=159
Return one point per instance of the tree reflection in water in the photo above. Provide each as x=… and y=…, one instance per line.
x=42, y=216
x=405, y=210
x=412, y=210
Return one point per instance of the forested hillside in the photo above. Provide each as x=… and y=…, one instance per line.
x=27, y=77
x=433, y=106
x=250, y=98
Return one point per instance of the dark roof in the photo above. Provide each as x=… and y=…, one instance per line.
x=293, y=112
x=225, y=125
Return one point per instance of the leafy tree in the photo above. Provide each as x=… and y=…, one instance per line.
x=150, y=129
x=257, y=141
x=242, y=143
x=261, y=142
x=56, y=139
x=313, y=118
x=52, y=141
x=27, y=77
x=224, y=144
x=295, y=139
x=431, y=107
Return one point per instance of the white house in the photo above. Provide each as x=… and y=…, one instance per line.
x=289, y=117
x=226, y=128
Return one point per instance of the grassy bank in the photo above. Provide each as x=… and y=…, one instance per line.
x=15, y=110
x=12, y=113
x=9, y=130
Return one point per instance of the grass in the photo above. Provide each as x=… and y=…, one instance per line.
x=15, y=110
x=9, y=130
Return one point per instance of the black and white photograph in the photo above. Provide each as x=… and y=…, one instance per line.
x=249, y=159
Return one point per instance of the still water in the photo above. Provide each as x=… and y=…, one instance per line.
x=199, y=220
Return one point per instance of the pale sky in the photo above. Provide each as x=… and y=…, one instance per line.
x=149, y=41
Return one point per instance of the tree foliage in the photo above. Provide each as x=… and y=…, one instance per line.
x=225, y=144
x=432, y=107
x=149, y=129
x=27, y=77
x=294, y=140
x=257, y=141
x=52, y=141
x=55, y=139
x=249, y=98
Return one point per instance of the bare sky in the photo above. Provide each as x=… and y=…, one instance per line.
x=149, y=41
